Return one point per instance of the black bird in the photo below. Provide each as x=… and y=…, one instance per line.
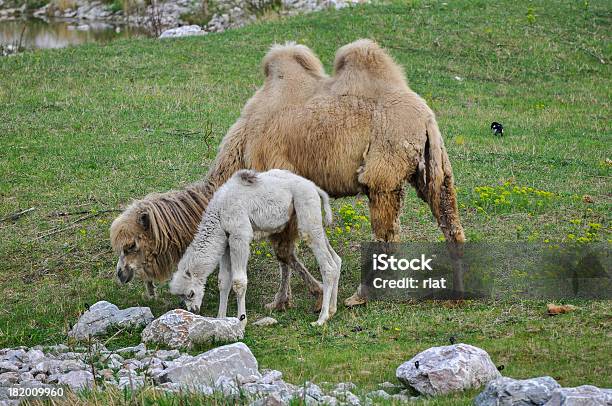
x=416, y=364
x=452, y=340
x=497, y=128
x=501, y=367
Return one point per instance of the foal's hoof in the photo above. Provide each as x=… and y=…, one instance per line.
x=355, y=300
x=317, y=323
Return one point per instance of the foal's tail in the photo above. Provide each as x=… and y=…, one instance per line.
x=326, y=207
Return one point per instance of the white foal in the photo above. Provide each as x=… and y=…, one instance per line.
x=250, y=203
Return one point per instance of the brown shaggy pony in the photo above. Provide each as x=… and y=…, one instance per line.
x=363, y=130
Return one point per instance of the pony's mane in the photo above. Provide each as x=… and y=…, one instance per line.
x=173, y=218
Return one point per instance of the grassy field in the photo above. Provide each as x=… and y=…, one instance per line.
x=88, y=129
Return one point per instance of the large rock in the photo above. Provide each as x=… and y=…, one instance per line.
x=182, y=329
x=515, y=392
x=229, y=361
x=585, y=395
x=184, y=31
x=447, y=369
x=104, y=316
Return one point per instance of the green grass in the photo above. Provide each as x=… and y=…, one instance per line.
x=91, y=128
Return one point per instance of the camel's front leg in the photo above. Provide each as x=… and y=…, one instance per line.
x=225, y=282
x=239, y=257
x=385, y=210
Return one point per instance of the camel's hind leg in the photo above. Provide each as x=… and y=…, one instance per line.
x=284, y=247
x=282, y=298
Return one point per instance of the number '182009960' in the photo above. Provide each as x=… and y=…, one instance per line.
x=20, y=392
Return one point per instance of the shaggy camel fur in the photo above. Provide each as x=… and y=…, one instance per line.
x=250, y=202
x=363, y=130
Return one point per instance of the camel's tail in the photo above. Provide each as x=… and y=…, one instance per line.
x=435, y=185
x=326, y=207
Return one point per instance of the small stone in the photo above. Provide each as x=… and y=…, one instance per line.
x=378, y=394
x=140, y=351
x=387, y=385
x=106, y=374
x=184, y=31
x=14, y=355
x=345, y=386
x=72, y=365
x=77, y=380
x=9, y=378
x=58, y=349
x=166, y=355
x=26, y=376
x=265, y=322
x=271, y=376
x=131, y=382
x=34, y=356
x=309, y=390
x=6, y=366
x=328, y=400
x=104, y=316
x=171, y=387
x=126, y=372
x=347, y=397
x=402, y=398
x=272, y=399
x=115, y=361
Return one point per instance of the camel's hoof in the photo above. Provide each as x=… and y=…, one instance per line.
x=279, y=306
x=355, y=300
x=148, y=296
x=319, y=304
